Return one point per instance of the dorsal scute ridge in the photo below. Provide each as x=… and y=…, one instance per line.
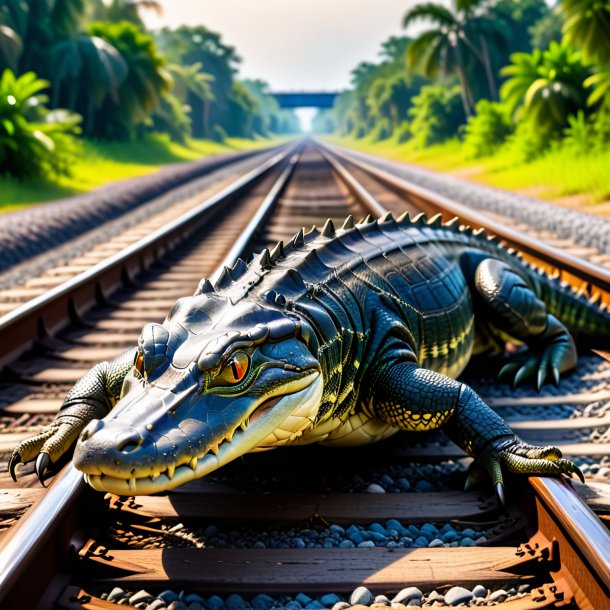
x=278, y=251
x=239, y=268
x=205, y=287
x=329, y=229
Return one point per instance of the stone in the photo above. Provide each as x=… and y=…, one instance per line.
x=340, y=606
x=157, y=604
x=235, y=602
x=361, y=595
x=302, y=599
x=193, y=598
x=168, y=596
x=457, y=595
x=141, y=596
x=436, y=542
x=211, y=530
x=116, y=594
x=382, y=600
x=177, y=605
x=262, y=602
x=196, y=606
x=377, y=527
x=298, y=543
x=215, y=602
x=314, y=604
x=498, y=596
x=405, y=595
x=330, y=599
x=373, y=488
x=366, y=544
x=346, y=544
x=414, y=602
x=479, y=591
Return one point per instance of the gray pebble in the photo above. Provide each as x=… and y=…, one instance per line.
x=366, y=544
x=157, y=604
x=177, y=605
x=340, y=606
x=361, y=595
x=414, y=602
x=498, y=596
x=479, y=591
x=382, y=599
x=407, y=594
x=524, y=588
x=141, y=596
x=373, y=488
x=436, y=542
x=116, y=594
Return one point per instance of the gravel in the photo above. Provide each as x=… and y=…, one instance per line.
x=44, y=236
x=566, y=223
x=361, y=596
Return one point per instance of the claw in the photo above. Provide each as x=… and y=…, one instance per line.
x=12, y=465
x=500, y=493
x=542, y=374
x=556, y=374
x=578, y=471
x=42, y=463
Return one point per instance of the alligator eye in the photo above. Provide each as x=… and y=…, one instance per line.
x=235, y=369
x=139, y=363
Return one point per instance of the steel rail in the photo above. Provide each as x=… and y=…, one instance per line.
x=47, y=313
x=24, y=540
x=432, y=202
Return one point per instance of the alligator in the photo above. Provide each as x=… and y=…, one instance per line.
x=340, y=336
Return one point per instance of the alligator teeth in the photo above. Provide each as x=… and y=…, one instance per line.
x=170, y=471
x=214, y=449
x=154, y=476
x=132, y=484
x=193, y=463
x=244, y=425
x=229, y=436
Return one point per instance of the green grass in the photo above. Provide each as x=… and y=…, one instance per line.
x=103, y=162
x=558, y=173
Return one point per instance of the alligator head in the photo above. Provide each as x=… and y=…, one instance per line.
x=215, y=381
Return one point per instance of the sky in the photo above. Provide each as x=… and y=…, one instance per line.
x=293, y=44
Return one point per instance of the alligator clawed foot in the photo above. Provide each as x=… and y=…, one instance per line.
x=46, y=447
x=539, y=366
x=521, y=458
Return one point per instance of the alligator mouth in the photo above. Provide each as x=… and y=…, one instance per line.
x=255, y=429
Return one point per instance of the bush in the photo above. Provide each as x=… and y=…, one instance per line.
x=529, y=141
x=381, y=131
x=486, y=130
x=218, y=134
x=33, y=140
x=172, y=118
x=436, y=115
x=579, y=136
x=403, y=132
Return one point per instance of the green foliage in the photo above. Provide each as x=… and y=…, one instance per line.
x=528, y=142
x=487, y=130
x=171, y=117
x=579, y=136
x=587, y=27
x=546, y=30
x=600, y=83
x=546, y=86
x=141, y=91
x=403, y=132
x=436, y=115
x=33, y=141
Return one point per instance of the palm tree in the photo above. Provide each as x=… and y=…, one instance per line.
x=546, y=85
x=442, y=50
x=587, y=26
x=85, y=71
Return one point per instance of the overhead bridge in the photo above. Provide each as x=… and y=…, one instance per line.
x=306, y=99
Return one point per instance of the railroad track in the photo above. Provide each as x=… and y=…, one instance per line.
x=547, y=549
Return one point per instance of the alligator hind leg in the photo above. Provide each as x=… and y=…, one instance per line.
x=511, y=305
x=412, y=398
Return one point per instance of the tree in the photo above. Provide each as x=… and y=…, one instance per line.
x=546, y=86
x=141, y=91
x=587, y=27
x=456, y=34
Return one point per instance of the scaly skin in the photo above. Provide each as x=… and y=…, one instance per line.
x=341, y=337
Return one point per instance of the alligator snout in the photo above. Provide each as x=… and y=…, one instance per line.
x=109, y=443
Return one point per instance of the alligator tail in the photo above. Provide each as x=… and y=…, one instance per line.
x=586, y=317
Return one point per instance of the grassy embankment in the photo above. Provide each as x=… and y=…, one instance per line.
x=559, y=175
x=103, y=162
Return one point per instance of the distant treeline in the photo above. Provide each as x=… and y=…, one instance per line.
x=70, y=67
x=498, y=73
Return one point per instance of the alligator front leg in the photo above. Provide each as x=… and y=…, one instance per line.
x=91, y=398
x=412, y=398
